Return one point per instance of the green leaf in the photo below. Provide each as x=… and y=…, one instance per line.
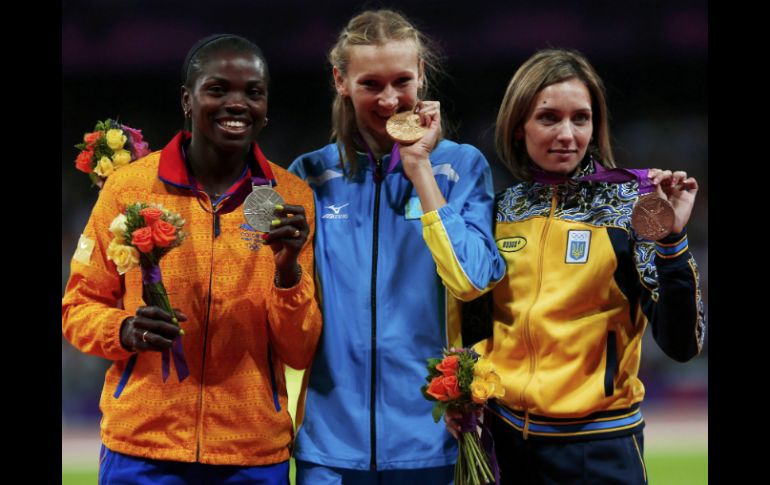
x=438, y=411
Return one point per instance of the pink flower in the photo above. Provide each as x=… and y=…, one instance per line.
x=139, y=147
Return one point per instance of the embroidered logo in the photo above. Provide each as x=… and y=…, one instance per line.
x=252, y=237
x=578, y=244
x=84, y=250
x=334, y=211
x=511, y=244
x=413, y=209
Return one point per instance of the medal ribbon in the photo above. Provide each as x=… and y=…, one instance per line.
x=395, y=157
x=612, y=175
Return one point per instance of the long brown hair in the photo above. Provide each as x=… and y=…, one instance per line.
x=544, y=68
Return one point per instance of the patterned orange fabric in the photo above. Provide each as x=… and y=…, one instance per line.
x=224, y=412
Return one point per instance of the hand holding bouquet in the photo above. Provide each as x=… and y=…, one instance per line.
x=143, y=234
x=109, y=147
x=461, y=383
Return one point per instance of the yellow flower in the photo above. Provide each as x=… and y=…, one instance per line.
x=486, y=383
x=125, y=257
x=115, y=139
x=104, y=167
x=118, y=227
x=494, y=379
x=481, y=390
x=483, y=368
x=120, y=158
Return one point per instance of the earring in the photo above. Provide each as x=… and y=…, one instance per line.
x=187, y=113
x=265, y=122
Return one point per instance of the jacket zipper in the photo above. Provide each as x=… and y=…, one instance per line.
x=215, y=233
x=527, y=334
x=373, y=396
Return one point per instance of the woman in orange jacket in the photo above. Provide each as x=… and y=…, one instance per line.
x=246, y=310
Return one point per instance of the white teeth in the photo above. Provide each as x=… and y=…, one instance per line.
x=233, y=124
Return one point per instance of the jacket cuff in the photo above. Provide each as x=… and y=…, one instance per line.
x=442, y=213
x=672, y=246
x=111, y=336
x=296, y=295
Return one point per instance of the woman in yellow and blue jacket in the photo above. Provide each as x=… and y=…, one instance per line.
x=581, y=286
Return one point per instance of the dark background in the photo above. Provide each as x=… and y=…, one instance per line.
x=122, y=59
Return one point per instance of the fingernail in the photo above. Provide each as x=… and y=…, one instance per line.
x=264, y=235
x=278, y=207
x=174, y=321
x=181, y=332
x=275, y=222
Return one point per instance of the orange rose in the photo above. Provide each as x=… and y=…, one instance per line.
x=451, y=387
x=150, y=214
x=163, y=233
x=436, y=389
x=90, y=138
x=449, y=365
x=444, y=388
x=142, y=239
x=83, y=162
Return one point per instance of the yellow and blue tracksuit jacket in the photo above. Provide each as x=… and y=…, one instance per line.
x=385, y=307
x=569, y=315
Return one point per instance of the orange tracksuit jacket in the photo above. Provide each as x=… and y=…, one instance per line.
x=241, y=329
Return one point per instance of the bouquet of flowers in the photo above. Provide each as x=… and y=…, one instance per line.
x=107, y=148
x=142, y=234
x=462, y=381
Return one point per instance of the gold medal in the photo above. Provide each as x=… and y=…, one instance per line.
x=652, y=217
x=405, y=127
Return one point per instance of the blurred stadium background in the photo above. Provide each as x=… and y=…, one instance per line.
x=122, y=59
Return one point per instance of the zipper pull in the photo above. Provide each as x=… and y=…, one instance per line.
x=378, y=171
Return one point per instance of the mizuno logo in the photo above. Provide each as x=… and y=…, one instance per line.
x=336, y=211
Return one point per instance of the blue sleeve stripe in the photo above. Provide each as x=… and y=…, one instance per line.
x=671, y=250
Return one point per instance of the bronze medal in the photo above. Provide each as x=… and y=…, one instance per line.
x=652, y=217
x=259, y=207
x=405, y=127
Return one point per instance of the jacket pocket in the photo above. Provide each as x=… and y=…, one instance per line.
x=611, y=364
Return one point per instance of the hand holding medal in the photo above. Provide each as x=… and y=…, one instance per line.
x=668, y=209
x=417, y=133
x=285, y=230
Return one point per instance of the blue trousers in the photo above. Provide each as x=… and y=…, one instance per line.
x=611, y=461
x=119, y=469
x=314, y=474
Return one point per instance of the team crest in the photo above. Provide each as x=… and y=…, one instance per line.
x=578, y=244
x=252, y=237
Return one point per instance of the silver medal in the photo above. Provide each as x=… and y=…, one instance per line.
x=259, y=207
